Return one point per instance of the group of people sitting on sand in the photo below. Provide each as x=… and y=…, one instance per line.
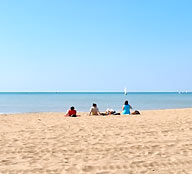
x=94, y=110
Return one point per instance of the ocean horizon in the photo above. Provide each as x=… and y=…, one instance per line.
x=24, y=102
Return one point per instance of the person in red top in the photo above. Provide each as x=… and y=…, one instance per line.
x=72, y=112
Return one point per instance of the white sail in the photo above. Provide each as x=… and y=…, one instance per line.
x=125, y=91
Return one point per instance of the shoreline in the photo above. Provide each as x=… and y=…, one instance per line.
x=88, y=111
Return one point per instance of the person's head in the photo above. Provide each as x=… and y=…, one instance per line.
x=126, y=102
x=72, y=108
x=94, y=105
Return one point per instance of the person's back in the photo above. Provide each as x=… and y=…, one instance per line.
x=126, y=108
x=71, y=112
x=94, y=110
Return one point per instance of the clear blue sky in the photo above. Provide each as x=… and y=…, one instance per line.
x=101, y=45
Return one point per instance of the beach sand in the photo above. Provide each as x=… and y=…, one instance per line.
x=156, y=142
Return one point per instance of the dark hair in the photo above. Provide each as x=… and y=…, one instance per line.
x=72, y=108
x=94, y=105
x=126, y=102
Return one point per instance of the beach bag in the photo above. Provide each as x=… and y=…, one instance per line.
x=136, y=112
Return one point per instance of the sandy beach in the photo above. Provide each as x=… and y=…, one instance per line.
x=156, y=142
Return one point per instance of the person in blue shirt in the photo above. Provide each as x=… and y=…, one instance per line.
x=126, y=108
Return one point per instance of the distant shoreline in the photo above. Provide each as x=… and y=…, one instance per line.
x=95, y=92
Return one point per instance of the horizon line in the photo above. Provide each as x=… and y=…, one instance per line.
x=95, y=92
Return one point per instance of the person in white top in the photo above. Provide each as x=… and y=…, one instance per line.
x=94, y=110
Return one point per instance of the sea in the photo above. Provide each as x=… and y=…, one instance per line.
x=26, y=102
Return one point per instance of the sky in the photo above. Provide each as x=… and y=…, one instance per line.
x=99, y=45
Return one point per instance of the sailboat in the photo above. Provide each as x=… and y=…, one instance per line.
x=125, y=91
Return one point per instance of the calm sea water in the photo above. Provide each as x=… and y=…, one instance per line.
x=60, y=102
